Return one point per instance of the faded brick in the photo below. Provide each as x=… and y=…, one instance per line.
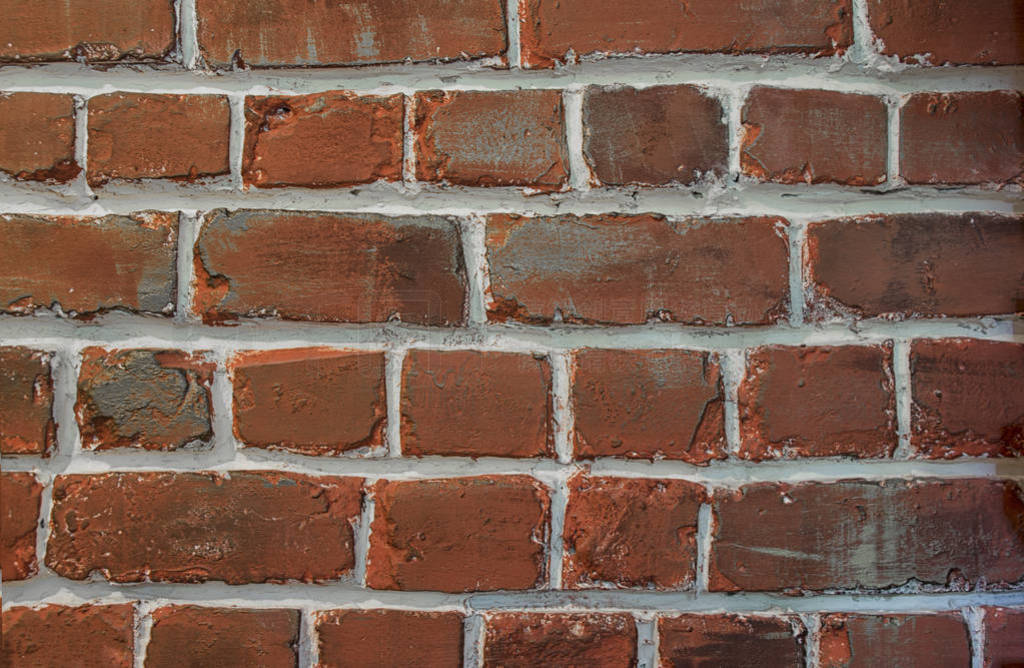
x=1004, y=637
x=731, y=640
x=914, y=641
x=26, y=402
x=386, y=638
x=201, y=636
x=19, y=520
x=526, y=640
x=56, y=635
x=37, y=137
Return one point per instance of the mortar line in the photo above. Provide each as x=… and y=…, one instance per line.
x=904, y=400
x=68, y=445
x=81, y=151
x=473, y=641
x=579, y=171
x=409, y=140
x=704, y=538
x=512, y=26
x=142, y=630
x=225, y=446
x=188, y=227
x=561, y=364
x=812, y=641
x=394, y=360
x=894, y=105
x=236, y=140
x=473, y=233
x=309, y=647
x=797, y=236
x=733, y=100
x=361, y=532
x=43, y=522
x=646, y=640
x=974, y=618
x=733, y=365
x=188, y=33
x=559, y=500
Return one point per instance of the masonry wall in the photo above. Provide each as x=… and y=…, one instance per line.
x=539, y=333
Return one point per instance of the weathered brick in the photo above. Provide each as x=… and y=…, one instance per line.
x=524, y=640
x=553, y=28
x=26, y=402
x=475, y=404
x=915, y=265
x=300, y=265
x=855, y=641
x=730, y=640
x=88, y=265
x=963, y=138
x=385, y=638
x=37, y=137
x=821, y=401
x=648, y=404
x=267, y=33
x=814, y=136
x=55, y=635
x=458, y=534
x=199, y=636
x=320, y=140
x=939, y=32
x=628, y=269
x=143, y=136
x=1004, y=637
x=653, y=136
x=190, y=527
x=19, y=519
x=867, y=535
x=491, y=138
x=968, y=398
x=86, y=30
x=144, y=398
x=313, y=401
x=631, y=532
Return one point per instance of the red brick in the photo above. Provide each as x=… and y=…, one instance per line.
x=814, y=136
x=968, y=398
x=963, y=138
x=476, y=404
x=1004, y=638
x=940, y=32
x=199, y=636
x=26, y=402
x=616, y=269
x=385, y=638
x=192, y=527
x=300, y=265
x=37, y=137
x=631, y=532
x=326, y=139
x=730, y=640
x=88, y=265
x=267, y=33
x=915, y=265
x=144, y=398
x=459, y=534
x=19, y=519
x=314, y=401
x=525, y=640
x=87, y=30
x=648, y=404
x=822, y=401
x=488, y=138
x=55, y=635
x=867, y=535
x=551, y=28
x=140, y=136
x=853, y=641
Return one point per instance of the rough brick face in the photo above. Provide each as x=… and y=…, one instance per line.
x=329, y=267
x=628, y=269
x=37, y=136
x=201, y=636
x=963, y=138
x=19, y=519
x=653, y=136
x=631, y=532
x=551, y=28
x=862, y=641
x=916, y=265
x=150, y=399
x=1004, y=637
x=818, y=402
x=648, y=404
x=26, y=402
x=524, y=640
x=385, y=638
x=458, y=534
x=730, y=640
x=266, y=33
x=314, y=401
x=191, y=527
x=88, y=265
x=55, y=635
x=485, y=138
x=326, y=139
x=476, y=404
x=813, y=136
x=856, y=535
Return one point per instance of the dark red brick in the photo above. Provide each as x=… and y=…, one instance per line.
x=385, y=638
x=37, y=136
x=616, y=269
x=648, y=404
x=854, y=641
x=26, y=402
x=459, y=534
x=525, y=640
x=19, y=520
x=199, y=636
x=192, y=527
x=55, y=635
x=730, y=640
x=476, y=404
x=1004, y=638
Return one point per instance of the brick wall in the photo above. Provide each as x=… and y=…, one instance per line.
x=527, y=333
